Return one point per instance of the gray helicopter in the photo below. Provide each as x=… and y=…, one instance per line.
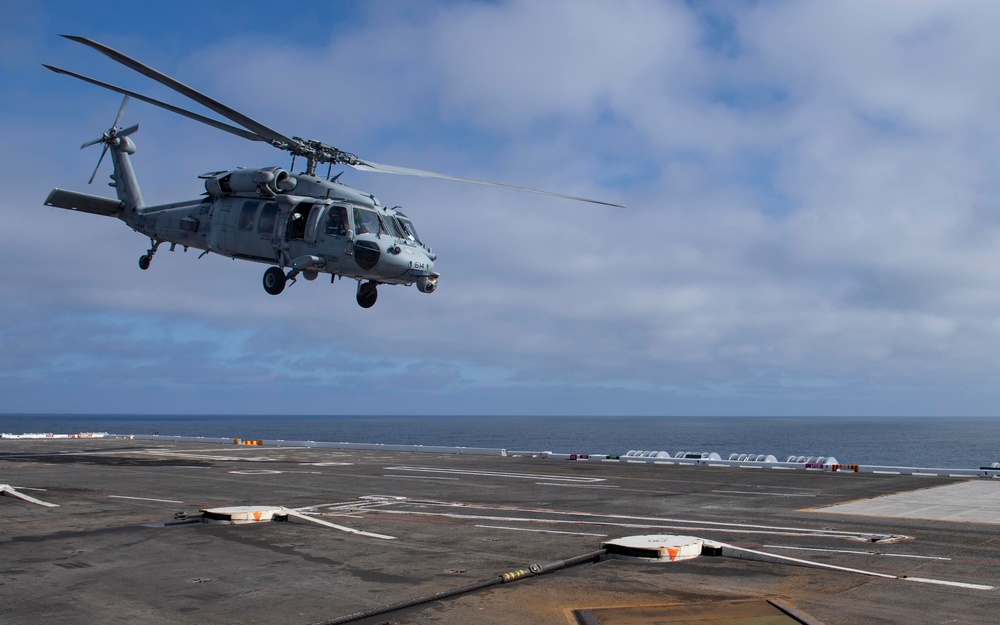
x=300, y=224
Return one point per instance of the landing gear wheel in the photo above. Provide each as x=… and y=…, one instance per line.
x=274, y=280
x=144, y=262
x=367, y=294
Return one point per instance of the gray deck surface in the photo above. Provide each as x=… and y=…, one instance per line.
x=974, y=502
x=104, y=556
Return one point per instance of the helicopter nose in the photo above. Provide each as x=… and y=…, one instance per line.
x=400, y=260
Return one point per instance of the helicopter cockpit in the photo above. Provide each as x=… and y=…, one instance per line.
x=366, y=221
x=406, y=227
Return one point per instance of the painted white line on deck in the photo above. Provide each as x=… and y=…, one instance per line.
x=866, y=553
x=326, y=464
x=13, y=492
x=689, y=524
x=833, y=567
x=751, y=492
x=575, y=485
x=350, y=530
x=942, y=582
x=520, y=476
x=695, y=527
x=421, y=477
x=145, y=499
x=524, y=529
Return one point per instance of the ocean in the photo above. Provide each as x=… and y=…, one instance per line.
x=958, y=442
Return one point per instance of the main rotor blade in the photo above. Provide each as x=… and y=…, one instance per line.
x=220, y=108
x=239, y=132
x=406, y=171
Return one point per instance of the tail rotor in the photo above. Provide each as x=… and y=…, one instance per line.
x=109, y=138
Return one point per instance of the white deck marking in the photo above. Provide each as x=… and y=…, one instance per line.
x=750, y=492
x=866, y=553
x=350, y=530
x=144, y=499
x=834, y=567
x=525, y=529
x=420, y=477
x=518, y=476
x=942, y=582
x=327, y=464
x=576, y=485
x=12, y=492
x=689, y=526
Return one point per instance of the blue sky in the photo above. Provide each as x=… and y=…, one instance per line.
x=813, y=221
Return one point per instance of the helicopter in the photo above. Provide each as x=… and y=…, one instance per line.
x=300, y=224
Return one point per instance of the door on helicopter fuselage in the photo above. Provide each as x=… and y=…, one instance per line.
x=251, y=235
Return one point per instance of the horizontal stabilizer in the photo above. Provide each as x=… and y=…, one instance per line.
x=84, y=202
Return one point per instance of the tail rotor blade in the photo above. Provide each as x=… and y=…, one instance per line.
x=94, y=175
x=127, y=131
x=121, y=111
x=90, y=143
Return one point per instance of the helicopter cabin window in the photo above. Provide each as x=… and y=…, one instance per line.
x=367, y=222
x=336, y=221
x=247, y=213
x=268, y=215
x=296, y=228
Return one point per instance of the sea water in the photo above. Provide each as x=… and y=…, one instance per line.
x=947, y=442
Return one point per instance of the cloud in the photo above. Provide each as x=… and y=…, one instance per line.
x=811, y=222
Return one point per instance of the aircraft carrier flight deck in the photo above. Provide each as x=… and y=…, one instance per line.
x=122, y=530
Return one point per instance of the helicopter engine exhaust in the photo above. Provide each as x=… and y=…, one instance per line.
x=268, y=180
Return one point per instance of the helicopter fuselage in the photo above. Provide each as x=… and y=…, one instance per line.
x=304, y=223
x=332, y=229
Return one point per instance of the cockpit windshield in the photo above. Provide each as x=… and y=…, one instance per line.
x=407, y=227
x=367, y=222
x=394, y=228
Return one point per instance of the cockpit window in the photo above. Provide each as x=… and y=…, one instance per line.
x=393, y=227
x=336, y=221
x=407, y=226
x=367, y=222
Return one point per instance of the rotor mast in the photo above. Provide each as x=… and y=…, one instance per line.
x=317, y=152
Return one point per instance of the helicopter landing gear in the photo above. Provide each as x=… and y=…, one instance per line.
x=147, y=258
x=274, y=280
x=367, y=294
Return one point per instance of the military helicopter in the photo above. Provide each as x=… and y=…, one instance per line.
x=300, y=224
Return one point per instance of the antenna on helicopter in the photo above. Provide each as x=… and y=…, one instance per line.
x=109, y=137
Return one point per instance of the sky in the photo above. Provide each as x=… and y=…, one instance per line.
x=812, y=223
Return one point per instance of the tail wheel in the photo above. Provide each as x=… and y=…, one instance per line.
x=144, y=262
x=367, y=294
x=274, y=280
